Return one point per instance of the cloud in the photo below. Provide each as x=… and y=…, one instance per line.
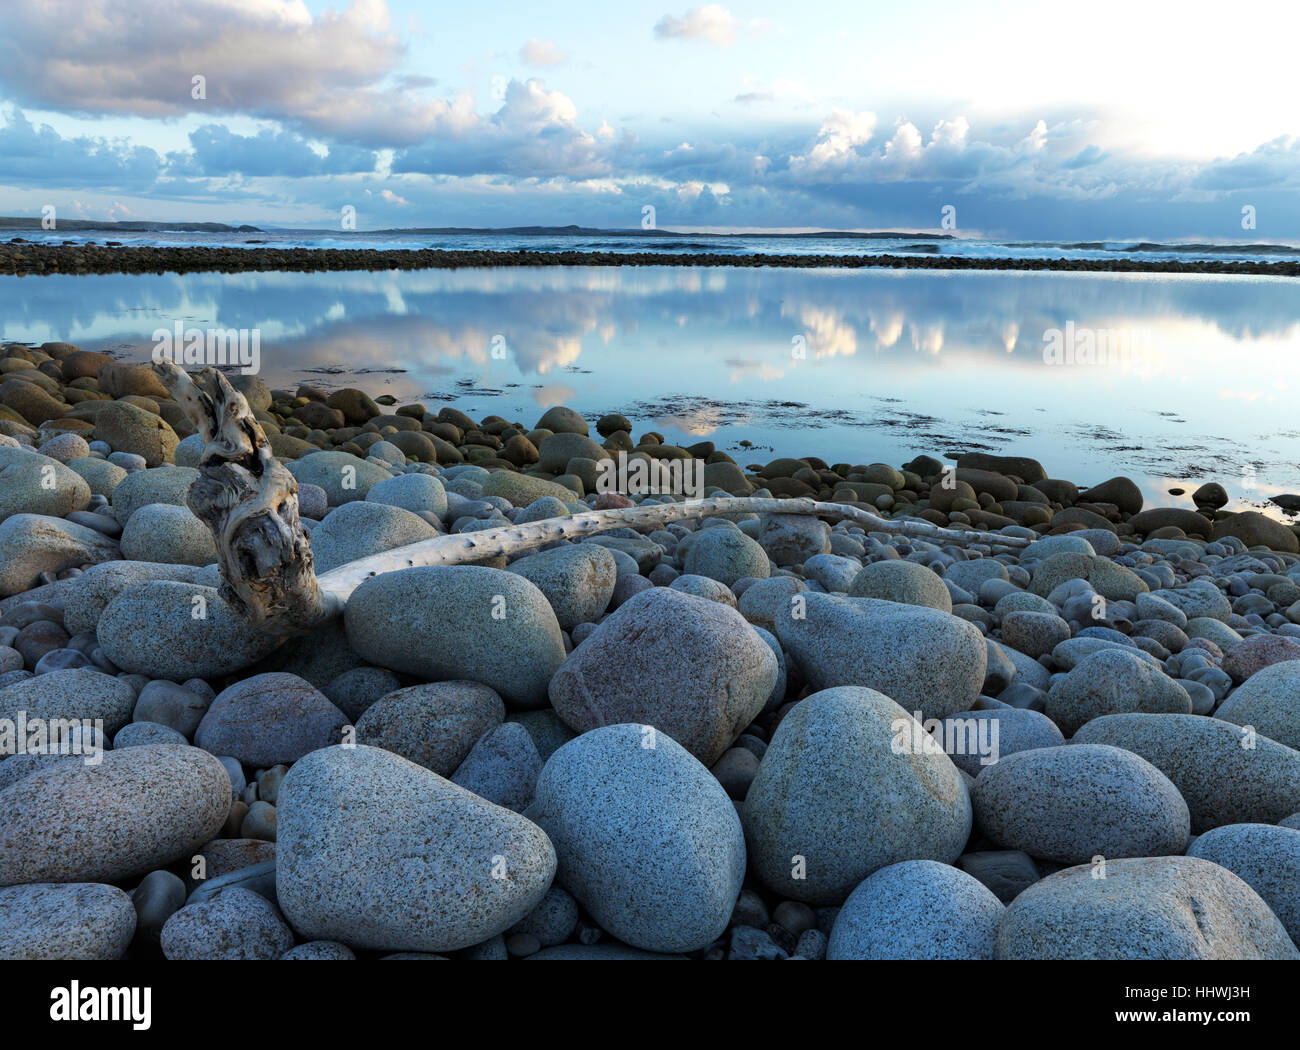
x=271, y=59
x=217, y=152
x=41, y=156
x=542, y=53
x=782, y=89
x=1274, y=164
x=838, y=139
x=535, y=134
x=711, y=23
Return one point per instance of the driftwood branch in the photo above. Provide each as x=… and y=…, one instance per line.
x=250, y=502
x=510, y=539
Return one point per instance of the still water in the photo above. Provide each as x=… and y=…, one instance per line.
x=1173, y=380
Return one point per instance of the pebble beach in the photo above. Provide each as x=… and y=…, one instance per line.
x=1073, y=735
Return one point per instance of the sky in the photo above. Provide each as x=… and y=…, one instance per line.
x=1108, y=120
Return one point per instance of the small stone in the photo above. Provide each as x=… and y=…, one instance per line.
x=162, y=532
x=268, y=719
x=1113, y=681
x=237, y=924
x=904, y=582
x=171, y=705
x=552, y=921
x=502, y=767
x=1144, y=908
x=159, y=896
x=692, y=668
x=917, y=909
x=77, y=822
x=669, y=879
x=320, y=951
x=1226, y=774
x=459, y=622
x=378, y=852
x=435, y=725
x=1267, y=700
x=1266, y=858
x=834, y=801
x=69, y=921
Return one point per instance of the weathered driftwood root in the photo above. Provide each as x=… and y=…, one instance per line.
x=250, y=502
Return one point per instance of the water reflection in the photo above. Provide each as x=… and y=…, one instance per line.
x=850, y=365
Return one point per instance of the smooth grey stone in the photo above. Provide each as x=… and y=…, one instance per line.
x=917, y=909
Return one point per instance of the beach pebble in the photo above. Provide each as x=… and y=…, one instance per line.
x=692, y=668
x=236, y=924
x=73, y=694
x=32, y=545
x=359, y=529
x=1144, y=908
x=917, y=909
x=502, y=767
x=84, y=603
x=34, y=484
x=434, y=725
x=1007, y=873
x=77, y=822
x=1155, y=607
x=171, y=705
x=548, y=731
x=1070, y=804
x=726, y=555
x=320, y=951
x=72, y=921
x=129, y=428
x=1266, y=858
x=343, y=477
x=1226, y=774
x=459, y=622
x=552, y=921
x=168, y=484
x=65, y=448
x=668, y=881
x=762, y=602
x=834, y=572
x=975, y=740
x=352, y=692
x=174, y=630
x=924, y=659
x=1269, y=700
x=1034, y=633
x=791, y=539
x=843, y=790
x=159, y=895
x=1113, y=681
x=268, y=719
x=222, y=856
x=577, y=579
x=380, y=853
x=413, y=492
x=162, y=532
x=141, y=734
x=902, y=581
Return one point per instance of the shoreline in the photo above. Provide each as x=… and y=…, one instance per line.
x=31, y=259
x=1149, y=638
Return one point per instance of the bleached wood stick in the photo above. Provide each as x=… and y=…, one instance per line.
x=510, y=539
x=250, y=502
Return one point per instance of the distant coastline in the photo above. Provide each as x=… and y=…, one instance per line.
x=21, y=257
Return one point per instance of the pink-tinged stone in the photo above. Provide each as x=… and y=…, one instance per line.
x=612, y=501
x=1254, y=654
